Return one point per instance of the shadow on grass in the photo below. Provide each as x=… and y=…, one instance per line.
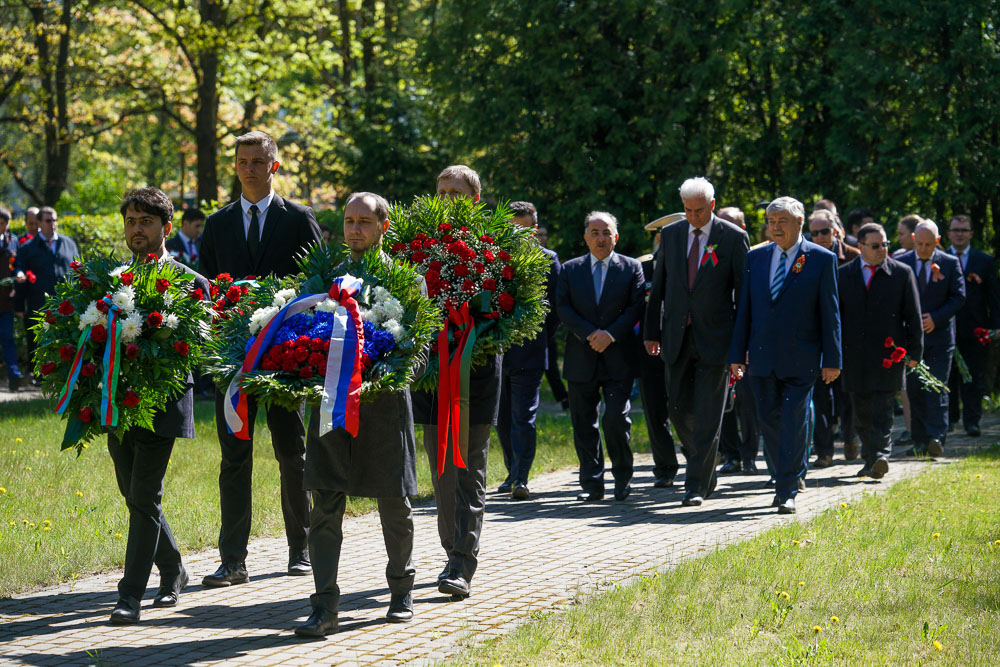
x=32, y=407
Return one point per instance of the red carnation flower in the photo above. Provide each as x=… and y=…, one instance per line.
x=506, y=302
x=504, y=256
x=980, y=332
x=85, y=415
x=67, y=352
x=887, y=363
x=84, y=282
x=306, y=372
x=488, y=255
x=98, y=333
x=224, y=277
x=479, y=268
x=250, y=277
x=150, y=258
x=66, y=308
x=398, y=247
x=898, y=354
x=492, y=315
x=468, y=286
x=289, y=366
x=131, y=350
x=88, y=369
x=461, y=270
x=30, y=275
x=432, y=276
x=244, y=290
x=490, y=284
x=418, y=256
x=415, y=244
x=269, y=364
x=75, y=265
x=233, y=293
x=321, y=370
x=103, y=306
x=444, y=227
x=316, y=359
x=126, y=278
x=301, y=354
x=182, y=348
x=316, y=345
x=889, y=342
x=486, y=238
x=507, y=273
x=197, y=294
x=131, y=399
x=220, y=305
x=48, y=367
x=213, y=292
x=154, y=319
x=444, y=285
x=430, y=243
x=50, y=317
x=435, y=266
x=162, y=285
x=447, y=238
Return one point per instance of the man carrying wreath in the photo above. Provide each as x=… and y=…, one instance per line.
x=141, y=456
x=380, y=463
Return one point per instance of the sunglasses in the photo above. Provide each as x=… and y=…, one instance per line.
x=822, y=232
x=877, y=246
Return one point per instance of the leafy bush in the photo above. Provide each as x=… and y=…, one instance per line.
x=96, y=235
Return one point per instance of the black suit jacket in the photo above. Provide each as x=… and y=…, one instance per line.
x=711, y=304
x=289, y=229
x=982, y=299
x=179, y=251
x=890, y=307
x=617, y=313
x=48, y=267
x=534, y=354
x=942, y=299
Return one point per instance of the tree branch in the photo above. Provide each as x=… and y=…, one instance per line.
x=19, y=179
x=172, y=31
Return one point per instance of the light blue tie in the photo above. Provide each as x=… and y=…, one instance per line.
x=598, y=275
x=779, y=277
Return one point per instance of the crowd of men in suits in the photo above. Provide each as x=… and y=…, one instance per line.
x=729, y=342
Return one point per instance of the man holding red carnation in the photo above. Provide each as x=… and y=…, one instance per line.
x=141, y=456
x=881, y=323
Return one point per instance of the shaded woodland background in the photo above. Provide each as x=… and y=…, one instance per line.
x=575, y=105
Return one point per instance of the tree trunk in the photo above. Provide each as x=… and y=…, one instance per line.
x=207, y=113
x=366, y=30
x=345, y=42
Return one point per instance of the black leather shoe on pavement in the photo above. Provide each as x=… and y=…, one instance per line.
x=771, y=483
x=445, y=573
x=879, y=469
x=823, y=462
x=663, y=482
x=169, y=592
x=776, y=501
x=589, y=497
x=229, y=573
x=400, y=608
x=321, y=623
x=973, y=432
x=126, y=612
x=935, y=448
x=505, y=487
x=298, y=562
x=520, y=491
x=787, y=506
x=692, y=499
x=864, y=472
x=455, y=585
x=623, y=493
x=749, y=467
x=731, y=467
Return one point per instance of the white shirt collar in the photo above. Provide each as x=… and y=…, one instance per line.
x=705, y=230
x=792, y=252
x=187, y=239
x=262, y=205
x=959, y=253
x=594, y=260
x=55, y=236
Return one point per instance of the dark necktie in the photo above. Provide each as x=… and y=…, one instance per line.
x=598, y=280
x=253, y=236
x=693, y=255
x=922, y=276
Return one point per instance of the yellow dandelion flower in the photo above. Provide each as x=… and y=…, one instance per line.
x=86, y=446
x=843, y=505
x=31, y=524
x=979, y=476
x=79, y=494
x=801, y=584
x=997, y=543
x=2, y=490
x=46, y=523
x=24, y=522
x=18, y=440
x=784, y=596
x=935, y=536
x=817, y=629
x=47, y=528
x=938, y=646
x=834, y=619
x=27, y=467
x=12, y=523
x=796, y=543
x=117, y=535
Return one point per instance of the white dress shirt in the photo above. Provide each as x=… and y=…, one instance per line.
x=776, y=259
x=702, y=239
x=604, y=272
x=262, y=207
x=963, y=256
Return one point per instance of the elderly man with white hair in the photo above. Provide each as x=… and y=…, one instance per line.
x=787, y=335
x=942, y=293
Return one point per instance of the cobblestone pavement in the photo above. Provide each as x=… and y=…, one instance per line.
x=535, y=556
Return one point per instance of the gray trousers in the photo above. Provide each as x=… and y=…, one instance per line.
x=326, y=536
x=460, y=495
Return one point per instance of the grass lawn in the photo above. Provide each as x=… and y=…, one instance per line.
x=62, y=517
x=907, y=576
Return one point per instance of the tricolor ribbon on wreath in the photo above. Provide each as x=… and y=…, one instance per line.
x=342, y=384
x=112, y=351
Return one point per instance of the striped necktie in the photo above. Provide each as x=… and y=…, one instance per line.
x=779, y=276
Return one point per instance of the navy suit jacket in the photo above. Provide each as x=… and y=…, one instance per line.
x=940, y=299
x=534, y=354
x=617, y=313
x=982, y=299
x=797, y=334
x=48, y=267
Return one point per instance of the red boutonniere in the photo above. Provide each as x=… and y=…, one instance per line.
x=936, y=274
x=799, y=263
x=710, y=254
x=985, y=335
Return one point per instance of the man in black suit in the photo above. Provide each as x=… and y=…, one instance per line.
x=379, y=463
x=981, y=310
x=8, y=249
x=141, y=456
x=521, y=379
x=942, y=293
x=184, y=246
x=47, y=256
x=689, y=323
x=460, y=493
x=878, y=300
x=599, y=300
x=258, y=235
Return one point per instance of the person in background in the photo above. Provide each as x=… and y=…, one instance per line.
x=8, y=250
x=552, y=374
x=184, y=246
x=856, y=218
x=30, y=224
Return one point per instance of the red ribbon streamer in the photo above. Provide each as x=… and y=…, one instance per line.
x=450, y=385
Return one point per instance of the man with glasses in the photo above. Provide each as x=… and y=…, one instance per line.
x=878, y=300
x=787, y=335
x=942, y=293
x=981, y=310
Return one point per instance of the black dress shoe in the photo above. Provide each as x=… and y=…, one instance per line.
x=864, y=472
x=400, y=608
x=692, y=499
x=663, y=482
x=298, y=562
x=455, y=585
x=126, y=612
x=787, y=506
x=771, y=483
x=731, y=467
x=589, y=497
x=321, y=623
x=972, y=431
x=823, y=462
x=935, y=448
x=776, y=501
x=520, y=491
x=749, y=467
x=505, y=487
x=445, y=573
x=229, y=573
x=879, y=469
x=169, y=592
x=623, y=493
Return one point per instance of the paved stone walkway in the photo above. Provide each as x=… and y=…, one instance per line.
x=536, y=556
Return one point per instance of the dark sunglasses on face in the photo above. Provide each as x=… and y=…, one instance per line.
x=822, y=232
x=878, y=246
